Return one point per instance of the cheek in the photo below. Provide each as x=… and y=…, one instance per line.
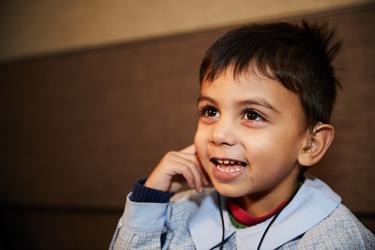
x=272, y=148
x=201, y=140
x=201, y=137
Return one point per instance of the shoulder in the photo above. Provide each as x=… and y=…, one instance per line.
x=341, y=229
x=184, y=204
x=189, y=200
x=191, y=195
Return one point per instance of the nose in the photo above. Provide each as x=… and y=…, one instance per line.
x=223, y=133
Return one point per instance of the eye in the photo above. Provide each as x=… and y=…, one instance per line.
x=252, y=115
x=209, y=111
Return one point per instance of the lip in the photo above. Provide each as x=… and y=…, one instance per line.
x=227, y=176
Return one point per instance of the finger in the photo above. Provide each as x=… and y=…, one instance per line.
x=185, y=171
x=194, y=158
x=206, y=179
x=194, y=169
x=190, y=149
x=189, y=178
x=192, y=162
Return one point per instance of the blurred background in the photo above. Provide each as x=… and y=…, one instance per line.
x=93, y=93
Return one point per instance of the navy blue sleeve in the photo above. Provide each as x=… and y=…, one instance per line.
x=144, y=194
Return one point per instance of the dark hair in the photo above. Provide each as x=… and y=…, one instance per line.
x=298, y=56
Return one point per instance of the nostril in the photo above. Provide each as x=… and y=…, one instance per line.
x=221, y=142
x=222, y=135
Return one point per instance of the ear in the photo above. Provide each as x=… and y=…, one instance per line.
x=317, y=144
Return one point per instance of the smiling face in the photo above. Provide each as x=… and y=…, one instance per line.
x=250, y=132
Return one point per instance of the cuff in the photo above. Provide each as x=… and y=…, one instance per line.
x=146, y=217
x=144, y=194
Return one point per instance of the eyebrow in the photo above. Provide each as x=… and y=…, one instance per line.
x=254, y=101
x=206, y=98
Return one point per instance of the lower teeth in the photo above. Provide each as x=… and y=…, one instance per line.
x=229, y=169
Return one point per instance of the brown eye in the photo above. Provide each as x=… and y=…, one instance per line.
x=209, y=111
x=252, y=115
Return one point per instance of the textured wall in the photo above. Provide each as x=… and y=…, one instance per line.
x=78, y=129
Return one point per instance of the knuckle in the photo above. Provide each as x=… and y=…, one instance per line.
x=169, y=154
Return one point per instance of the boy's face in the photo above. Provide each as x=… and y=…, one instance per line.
x=249, y=135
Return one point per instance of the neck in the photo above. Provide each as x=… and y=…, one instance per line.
x=261, y=204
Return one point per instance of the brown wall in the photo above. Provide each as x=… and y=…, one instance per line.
x=78, y=129
x=37, y=27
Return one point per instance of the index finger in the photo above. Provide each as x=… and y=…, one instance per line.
x=190, y=149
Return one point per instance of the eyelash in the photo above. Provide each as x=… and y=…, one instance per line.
x=204, y=109
x=259, y=117
x=253, y=112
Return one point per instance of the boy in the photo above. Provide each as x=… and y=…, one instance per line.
x=267, y=92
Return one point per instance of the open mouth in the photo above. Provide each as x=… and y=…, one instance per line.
x=229, y=165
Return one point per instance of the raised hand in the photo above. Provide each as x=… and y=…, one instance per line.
x=176, y=168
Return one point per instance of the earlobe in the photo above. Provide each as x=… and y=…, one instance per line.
x=317, y=144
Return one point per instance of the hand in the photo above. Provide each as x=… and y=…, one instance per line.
x=175, y=168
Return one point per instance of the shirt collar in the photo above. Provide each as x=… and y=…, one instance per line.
x=313, y=202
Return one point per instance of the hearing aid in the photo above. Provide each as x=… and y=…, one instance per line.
x=310, y=146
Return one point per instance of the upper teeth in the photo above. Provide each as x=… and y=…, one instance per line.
x=231, y=162
x=229, y=166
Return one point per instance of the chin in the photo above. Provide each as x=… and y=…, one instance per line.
x=228, y=190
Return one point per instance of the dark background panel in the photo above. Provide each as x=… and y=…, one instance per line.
x=87, y=125
x=52, y=228
x=78, y=129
